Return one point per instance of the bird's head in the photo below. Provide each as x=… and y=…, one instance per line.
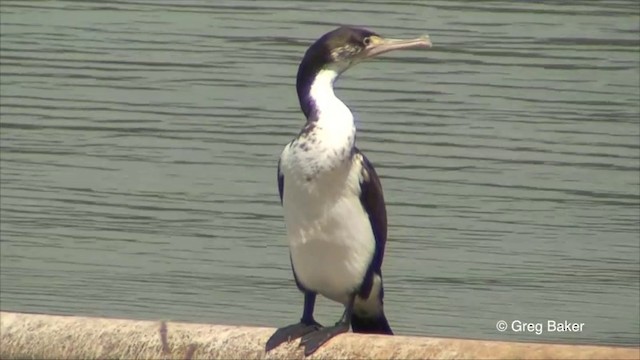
x=346, y=46
x=335, y=52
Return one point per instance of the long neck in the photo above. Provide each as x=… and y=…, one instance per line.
x=327, y=116
x=317, y=99
x=306, y=75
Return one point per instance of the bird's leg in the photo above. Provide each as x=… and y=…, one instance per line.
x=306, y=325
x=313, y=341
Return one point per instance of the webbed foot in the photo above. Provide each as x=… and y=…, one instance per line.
x=291, y=332
x=312, y=341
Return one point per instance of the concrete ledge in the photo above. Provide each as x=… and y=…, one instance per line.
x=73, y=337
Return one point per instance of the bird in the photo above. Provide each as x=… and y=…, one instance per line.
x=334, y=209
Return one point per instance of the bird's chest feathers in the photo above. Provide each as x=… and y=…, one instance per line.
x=327, y=203
x=319, y=152
x=328, y=230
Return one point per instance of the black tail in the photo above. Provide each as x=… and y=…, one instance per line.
x=371, y=325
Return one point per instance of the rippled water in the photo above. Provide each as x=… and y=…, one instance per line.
x=139, y=142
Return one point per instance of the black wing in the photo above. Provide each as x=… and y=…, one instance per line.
x=372, y=201
x=280, y=182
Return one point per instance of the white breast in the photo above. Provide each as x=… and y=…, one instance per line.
x=328, y=230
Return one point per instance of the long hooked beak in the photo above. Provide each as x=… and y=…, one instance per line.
x=379, y=45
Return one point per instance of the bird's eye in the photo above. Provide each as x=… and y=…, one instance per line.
x=366, y=41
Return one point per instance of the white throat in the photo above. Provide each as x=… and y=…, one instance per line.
x=332, y=114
